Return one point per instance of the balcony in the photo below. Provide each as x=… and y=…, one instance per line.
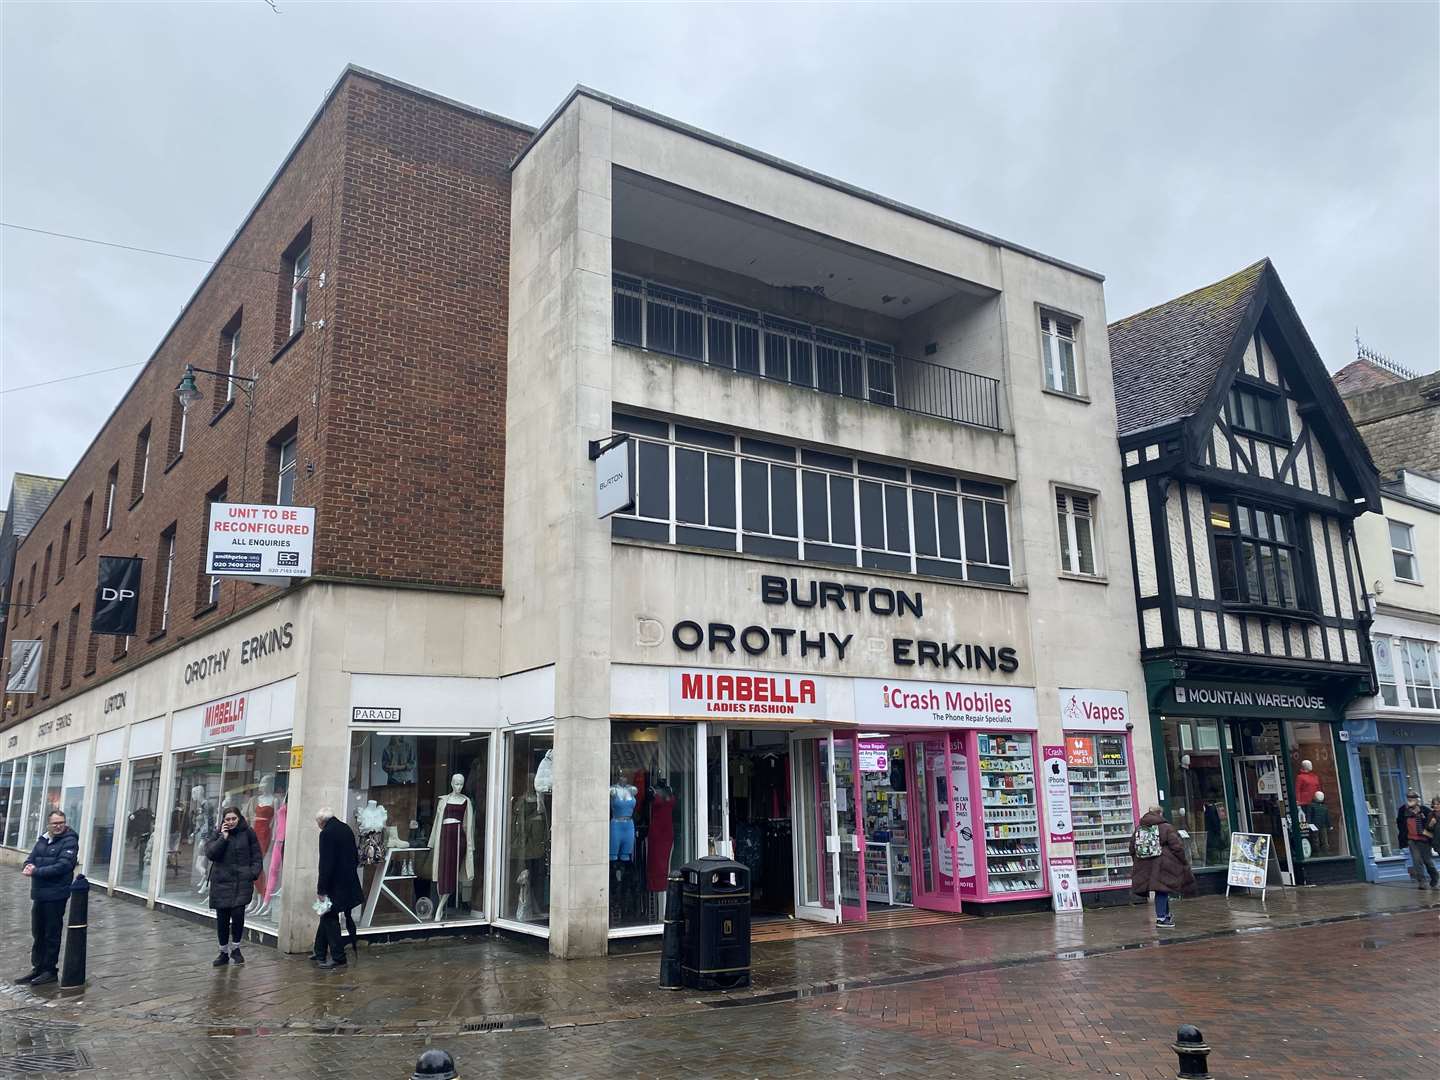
x=658, y=318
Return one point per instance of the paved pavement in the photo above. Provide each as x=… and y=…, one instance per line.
x=1343, y=984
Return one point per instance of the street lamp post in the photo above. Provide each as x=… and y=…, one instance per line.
x=189, y=393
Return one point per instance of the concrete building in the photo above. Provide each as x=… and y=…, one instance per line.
x=1394, y=732
x=868, y=576
x=1245, y=478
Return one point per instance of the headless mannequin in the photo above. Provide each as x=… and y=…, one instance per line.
x=452, y=843
x=270, y=879
x=202, y=824
x=622, y=840
x=529, y=835
x=261, y=814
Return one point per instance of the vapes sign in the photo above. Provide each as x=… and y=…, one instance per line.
x=260, y=543
x=1094, y=710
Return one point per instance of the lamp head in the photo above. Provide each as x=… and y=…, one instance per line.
x=187, y=391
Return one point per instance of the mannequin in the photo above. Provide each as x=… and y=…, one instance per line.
x=398, y=760
x=261, y=812
x=370, y=820
x=661, y=840
x=452, y=843
x=1318, y=815
x=277, y=857
x=1307, y=783
x=622, y=821
x=529, y=836
x=202, y=824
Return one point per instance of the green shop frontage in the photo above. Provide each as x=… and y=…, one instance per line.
x=1256, y=755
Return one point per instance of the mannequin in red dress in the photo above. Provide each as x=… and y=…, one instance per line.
x=661, y=838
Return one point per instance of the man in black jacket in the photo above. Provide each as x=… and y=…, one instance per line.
x=50, y=868
x=338, y=881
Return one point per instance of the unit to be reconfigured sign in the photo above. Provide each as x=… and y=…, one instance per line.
x=260, y=542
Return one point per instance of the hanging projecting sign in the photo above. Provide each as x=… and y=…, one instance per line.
x=117, y=596
x=715, y=692
x=24, y=667
x=255, y=542
x=614, y=479
x=1057, y=795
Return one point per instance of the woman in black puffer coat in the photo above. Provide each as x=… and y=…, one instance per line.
x=235, y=863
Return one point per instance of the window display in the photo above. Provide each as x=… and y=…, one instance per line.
x=140, y=809
x=102, y=828
x=255, y=778
x=1195, y=800
x=529, y=789
x=194, y=817
x=1012, y=824
x=1317, y=791
x=47, y=773
x=417, y=805
x=652, y=816
x=72, y=783
x=887, y=837
x=1102, y=807
x=17, y=802
x=7, y=771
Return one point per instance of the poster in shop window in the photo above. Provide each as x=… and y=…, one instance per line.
x=1057, y=795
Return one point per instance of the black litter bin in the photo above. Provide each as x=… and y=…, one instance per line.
x=715, y=953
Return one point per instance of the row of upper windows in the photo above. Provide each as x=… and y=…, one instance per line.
x=1418, y=671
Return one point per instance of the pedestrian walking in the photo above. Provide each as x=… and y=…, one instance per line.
x=235, y=864
x=337, y=888
x=1415, y=826
x=50, y=868
x=1158, y=863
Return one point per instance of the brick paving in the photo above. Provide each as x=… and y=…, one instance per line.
x=1343, y=986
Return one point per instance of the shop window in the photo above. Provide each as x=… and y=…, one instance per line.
x=528, y=809
x=13, y=821
x=1385, y=670
x=1009, y=805
x=1386, y=774
x=46, y=793
x=1317, y=791
x=194, y=818
x=74, y=769
x=1417, y=659
x=1102, y=806
x=102, y=828
x=255, y=778
x=7, y=773
x=417, y=804
x=138, y=845
x=1256, y=558
x=1195, y=800
x=652, y=816
x=1428, y=771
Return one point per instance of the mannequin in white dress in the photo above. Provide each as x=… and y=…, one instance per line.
x=452, y=843
x=202, y=824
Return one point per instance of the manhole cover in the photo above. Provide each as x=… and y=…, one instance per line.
x=40, y=1061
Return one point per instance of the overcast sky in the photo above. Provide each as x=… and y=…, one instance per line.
x=1163, y=145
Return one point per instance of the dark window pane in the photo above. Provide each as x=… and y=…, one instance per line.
x=782, y=502
x=711, y=538
x=935, y=480
x=689, y=486
x=852, y=375
x=882, y=381
x=1267, y=569
x=802, y=365
x=872, y=514
x=897, y=518
x=636, y=529
x=1285, y=571
x=822, y=460
x=975, y=487
x=1225, y=570
x=995, y=575
x=827, y=369
x=639, y=425
x=761, y=448
x=817, y=509
x=996, y=534
x=747, y=349
x=768, y=545
x=720, y=471
x=702, y=437
x=722, y=343
x=882, y=472
x=975, y=529
x=940, y=569
x=1250, y=554
x=948, y=511
x=687, y=334
x=924, y=523
x=660, y=326
x=836, y=556
x=777, y=365
x=627, y=318
x=885, y=560
x=842, y=510
x=654, y=480
x=755, y=495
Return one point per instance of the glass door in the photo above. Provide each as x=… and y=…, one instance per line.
x=1263, y=808
x=817, y=839
x=849, y=817
x=932, y=810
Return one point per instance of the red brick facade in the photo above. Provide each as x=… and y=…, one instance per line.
x=394, y=388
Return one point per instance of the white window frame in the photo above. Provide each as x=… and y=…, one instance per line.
x=286, y=469
x=169, y=575
x=1397, y=552
x=1407, y=670
x=1384, y=648
x=299, y=289
x=184, y=416
x=144, y=466
x=234, y=364
x=111, y=484
x=1049, y=321
x=1066, y=519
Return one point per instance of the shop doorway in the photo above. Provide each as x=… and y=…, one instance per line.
x=1260, y=788
x=816, y=827
x=751, y=783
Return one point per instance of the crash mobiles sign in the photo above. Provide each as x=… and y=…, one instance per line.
x=224, y=719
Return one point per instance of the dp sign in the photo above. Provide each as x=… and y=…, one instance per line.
x=117, y=596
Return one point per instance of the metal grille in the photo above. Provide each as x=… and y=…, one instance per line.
x=40, y=1061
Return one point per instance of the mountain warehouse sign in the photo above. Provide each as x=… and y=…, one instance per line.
x=1245, y=699
x=693, y=635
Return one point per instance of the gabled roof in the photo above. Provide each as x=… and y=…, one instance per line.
x=29, y=496
x=1166, y=359
x=1360, y=375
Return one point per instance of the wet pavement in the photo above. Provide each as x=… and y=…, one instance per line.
x=1336, y=981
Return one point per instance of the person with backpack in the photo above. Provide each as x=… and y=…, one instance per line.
x=1158, y=863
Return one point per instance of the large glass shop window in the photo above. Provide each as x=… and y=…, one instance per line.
x=46, y=789
x=417, y=804
x=529, y=805
x=17, y=803
x=140, y=808
x=1101, y=806
x=102, y=828
x=652, y=816
x=255, y=779
x=1317, y=791
x=7, y=771
x=194, y=818
x=74, y=772
x=1195, y=802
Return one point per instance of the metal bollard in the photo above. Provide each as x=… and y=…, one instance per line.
x=434, y=1064
x=76, y=934
x=1190, y=1048
x=670, y=977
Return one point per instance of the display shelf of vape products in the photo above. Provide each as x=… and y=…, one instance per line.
x=1007, y=802
x=1103, y=806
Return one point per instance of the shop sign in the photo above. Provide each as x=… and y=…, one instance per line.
x=1192, y=698
x=251, y=650
x=1057, y=794
x=892, y=703
x=716, y=692
x=614, y=481
x=1064, y=886
x=59, y=724
x=117, y=596
x=375, y=714
x=1094, y=710
x=874, y=755
x=24, y=667
x=258, y=542
x=224, y=719
x=1249, y=859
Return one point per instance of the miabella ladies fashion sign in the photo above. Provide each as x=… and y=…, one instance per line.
x=742, y=694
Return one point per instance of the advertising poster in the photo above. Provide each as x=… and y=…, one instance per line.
x=964, y=829
x=874, y=755
x=1249, y=859
x=1080, y=751
x=1057, y=795
x=1064, y=886
x=259, y=541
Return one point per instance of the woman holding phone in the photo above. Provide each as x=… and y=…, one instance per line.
x=235, y=863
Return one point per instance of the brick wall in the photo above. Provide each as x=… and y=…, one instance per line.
x=397, y=403
x=1401, y=425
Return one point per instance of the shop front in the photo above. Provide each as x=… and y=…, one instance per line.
x=1388, y=759
x=1255, y=757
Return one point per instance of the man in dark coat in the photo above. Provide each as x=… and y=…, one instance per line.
x=1163, y=873
x=50, y=868
x=338, y=881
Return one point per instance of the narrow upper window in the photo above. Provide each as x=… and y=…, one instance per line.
x=230, y=351
x=64, y=552
x=1402, y=551
x=1385, y=670
x=161, y=621
x=1060, y=339
x=1075, y=514
x=1258, y=413
x=112, y=482
x=45, y=573
x=299, y=288
x=142, y=463
x=285, y=487
x=83, y=545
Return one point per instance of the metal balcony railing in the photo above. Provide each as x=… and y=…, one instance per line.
x=661, y=319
